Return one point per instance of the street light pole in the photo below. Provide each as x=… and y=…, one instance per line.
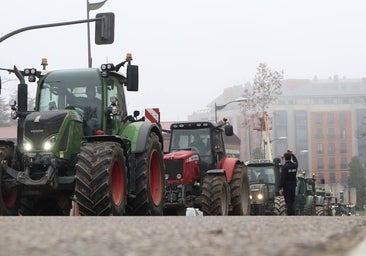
x=227, y=103
x=269, y=142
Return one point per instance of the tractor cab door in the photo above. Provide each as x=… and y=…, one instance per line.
x=116, y=104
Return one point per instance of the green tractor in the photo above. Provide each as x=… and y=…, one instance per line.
x=74, y=150
x=307, y=202
x=264, y=176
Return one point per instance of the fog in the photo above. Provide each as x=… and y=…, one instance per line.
x=189, y=51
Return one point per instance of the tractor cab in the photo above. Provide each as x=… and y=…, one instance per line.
x=201, y=137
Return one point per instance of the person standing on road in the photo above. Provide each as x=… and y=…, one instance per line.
x=288, y=180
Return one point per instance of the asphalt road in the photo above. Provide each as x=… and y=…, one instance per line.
x=170, y=235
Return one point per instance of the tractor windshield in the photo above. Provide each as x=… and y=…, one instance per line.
x=198, y=140
x=261, y=174
x=73, y=89
x=191, y=139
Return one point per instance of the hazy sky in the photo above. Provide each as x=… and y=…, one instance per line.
x=189, y=51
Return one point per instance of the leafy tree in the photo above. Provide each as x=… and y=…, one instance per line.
x=357, y=180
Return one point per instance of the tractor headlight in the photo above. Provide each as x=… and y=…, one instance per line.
x=250, y=197
x=166, y=176
x=260, y=196
x=49, y=143
x=27, y=145
x=179, y=176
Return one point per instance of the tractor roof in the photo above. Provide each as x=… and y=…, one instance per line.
x=191, y=125
x=259, y=162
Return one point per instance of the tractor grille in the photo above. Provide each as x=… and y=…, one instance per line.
x=40, y=125
x=173, y=168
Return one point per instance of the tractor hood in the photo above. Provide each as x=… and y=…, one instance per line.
x=48, y=130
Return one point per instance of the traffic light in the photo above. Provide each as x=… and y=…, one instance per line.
x=104, y=28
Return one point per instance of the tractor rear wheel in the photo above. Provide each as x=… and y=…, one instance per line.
x=215, y=199
x=9, y=192
x=101, y=179
x=239, y=187
x=280, y=206
x=149, y=180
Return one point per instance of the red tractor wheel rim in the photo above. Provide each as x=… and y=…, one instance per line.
x=10, y=198
x=117, y=183
x=155, y=173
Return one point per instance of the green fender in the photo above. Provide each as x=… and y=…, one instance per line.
x=138, y=133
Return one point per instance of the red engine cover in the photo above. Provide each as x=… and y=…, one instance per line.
x=191, y=166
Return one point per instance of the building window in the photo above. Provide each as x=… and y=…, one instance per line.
x=332, y=178
x=331, y=163
x=342, y=117
x=320, y=148
x=344, y=178
x=331, y=133
x=318, y=118
x=344, y=163
x=320, y=164
x=331, y=148
x=331, y=118
x=343, y=148
x=319, y=133
x=343, y=132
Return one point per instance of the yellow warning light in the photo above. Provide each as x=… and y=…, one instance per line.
x=44, y=63
x=129, y=56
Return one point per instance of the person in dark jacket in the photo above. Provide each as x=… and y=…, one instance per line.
x=288, y=180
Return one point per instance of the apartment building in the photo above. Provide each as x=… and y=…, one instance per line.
x=323, y=121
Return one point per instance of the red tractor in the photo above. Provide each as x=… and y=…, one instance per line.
x=199, y=174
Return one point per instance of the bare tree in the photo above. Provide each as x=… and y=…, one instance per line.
x=266, y=89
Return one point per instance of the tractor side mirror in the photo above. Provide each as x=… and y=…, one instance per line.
x=132, y=78
x=104, y=28
x=0, y=85
x=229, y=130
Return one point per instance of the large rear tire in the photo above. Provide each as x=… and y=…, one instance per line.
x=9, y=192
x=280, y=206
x=239, y=187
x=100, y=188
x=150, y=186
x=215, y=195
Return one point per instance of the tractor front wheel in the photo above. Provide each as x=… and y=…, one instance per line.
x=239, y=187
x=101, y=179
x=150, y=186
x=9, y=192
x=215, y=195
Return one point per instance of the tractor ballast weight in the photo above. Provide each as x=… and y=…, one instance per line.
x=199, y=173
x=79, y=148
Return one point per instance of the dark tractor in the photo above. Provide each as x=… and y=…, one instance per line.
x=199, y=174
x=81, y=148
x=264, y=177
x=307, y=202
